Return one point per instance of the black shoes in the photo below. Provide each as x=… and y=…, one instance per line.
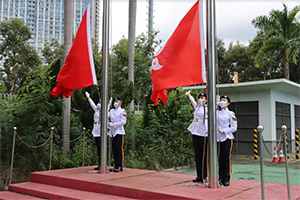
x=97, y=168
x=198, y=179
x=116, y=169
x=224, y=183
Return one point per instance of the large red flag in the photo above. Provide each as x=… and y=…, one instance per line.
x=181, y=61
x=78, y=70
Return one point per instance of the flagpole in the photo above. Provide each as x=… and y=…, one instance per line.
x=104, y=84
x=211, y=91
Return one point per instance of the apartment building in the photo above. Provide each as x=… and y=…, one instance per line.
x=45, y=18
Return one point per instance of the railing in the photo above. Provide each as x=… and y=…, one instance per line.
x=39, y=146
x=283, y=136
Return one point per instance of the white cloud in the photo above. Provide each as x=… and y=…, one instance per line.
x=233, y=17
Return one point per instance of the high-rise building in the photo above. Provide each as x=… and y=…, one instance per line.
x=45, y=18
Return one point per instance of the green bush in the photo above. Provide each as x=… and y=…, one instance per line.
x=161, y=135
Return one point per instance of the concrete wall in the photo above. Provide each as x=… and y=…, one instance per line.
x=281, y=97
x=267, y=112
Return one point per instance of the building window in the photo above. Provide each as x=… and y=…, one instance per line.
x=283, y=117
x=247, y=116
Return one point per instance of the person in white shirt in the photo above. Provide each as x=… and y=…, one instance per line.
x=118, y=119
x=198, y=128
x=227, y=125
x=96, y=126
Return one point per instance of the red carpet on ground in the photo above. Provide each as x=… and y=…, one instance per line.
x=79, y=183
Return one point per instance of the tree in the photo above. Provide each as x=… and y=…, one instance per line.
x=269, y=65
x=33, y=112
x=163, y=140
x=223, y=75
x=119, y=64
x=19, y=59
x=236, y=59
x=131, y=45
x=52, y=52
x=281, y=35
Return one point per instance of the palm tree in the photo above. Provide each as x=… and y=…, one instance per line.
x=69, y=7
x=281, y=35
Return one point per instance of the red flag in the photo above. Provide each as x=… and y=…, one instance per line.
x=78, y=70
x=181, y=61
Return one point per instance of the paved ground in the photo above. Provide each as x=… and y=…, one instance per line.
x=249, y=169
x=79, y=183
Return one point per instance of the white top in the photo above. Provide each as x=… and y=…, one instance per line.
x=97, y=122
x=199, y=124
x=118, y=117
x=227, y=121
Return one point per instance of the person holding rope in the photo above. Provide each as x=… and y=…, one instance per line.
x=96, y=127
x=198, y=128
x=227, y=125
x=118, y=119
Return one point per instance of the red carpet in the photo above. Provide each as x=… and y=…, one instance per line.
x=78, y=183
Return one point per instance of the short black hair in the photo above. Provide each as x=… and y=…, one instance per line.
x=225, y=97
x=202, y=94
x=119, y=98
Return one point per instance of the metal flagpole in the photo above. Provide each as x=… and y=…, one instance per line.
x=104, y=84
x=150, y=20
x=211, y=91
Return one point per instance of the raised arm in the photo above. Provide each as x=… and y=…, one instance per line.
x=194, y=104
x=90, y=101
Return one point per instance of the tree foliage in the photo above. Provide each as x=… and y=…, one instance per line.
x=163, y=140
x=281, y=36
x=52, y=52
x=19, y=59
x=238, y=59
x=119, y=69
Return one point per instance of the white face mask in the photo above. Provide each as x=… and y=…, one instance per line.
x=99, y=106
x=116, y=104
x=223, y=104
x=201, y=101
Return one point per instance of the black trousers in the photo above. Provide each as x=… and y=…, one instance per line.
x=98, y=145
x=118, y=151
x=200, y=148
x=225, y=149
